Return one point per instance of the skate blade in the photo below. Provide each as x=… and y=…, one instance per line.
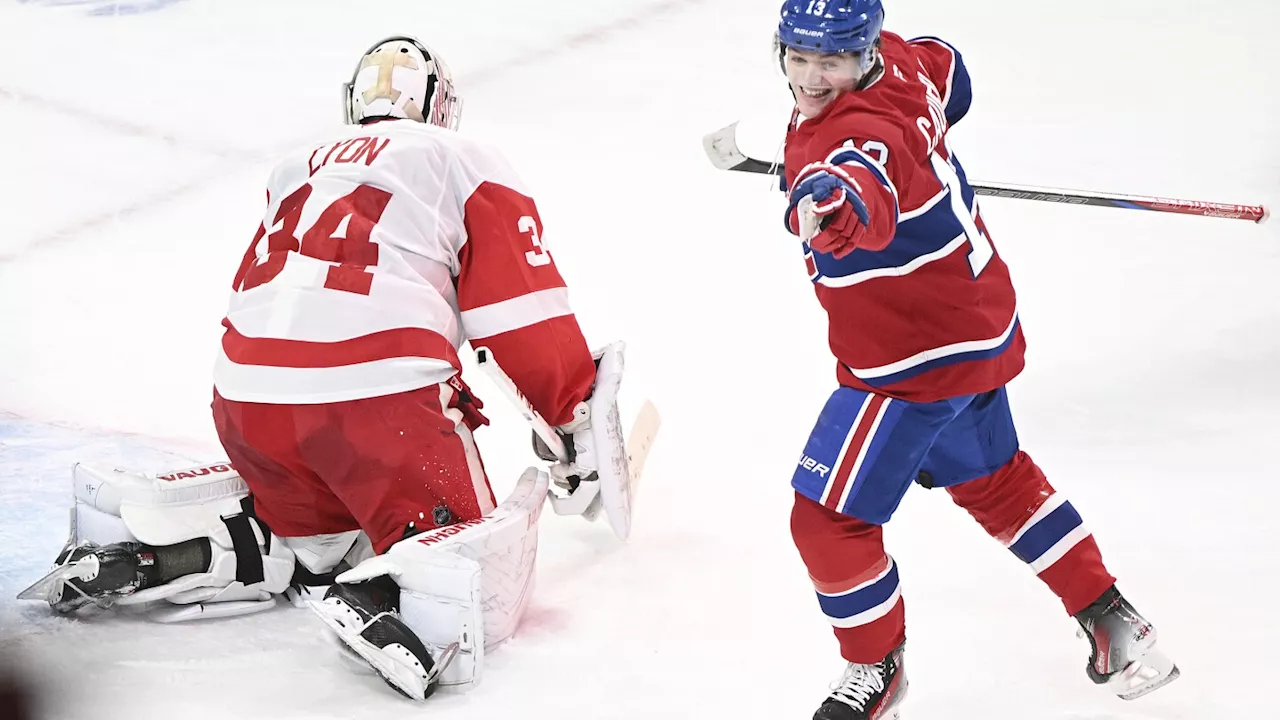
x=49, y=587
x=1144, y=676
x=396, y=668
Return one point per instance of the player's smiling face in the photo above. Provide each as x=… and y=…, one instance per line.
x=816, y=78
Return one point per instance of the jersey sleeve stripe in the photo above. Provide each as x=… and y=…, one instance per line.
x=515, y=313
x=958, y=94
x=951, y=71
x=839, y=281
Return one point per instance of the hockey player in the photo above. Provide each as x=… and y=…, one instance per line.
x=924, y=325
x=339, y=401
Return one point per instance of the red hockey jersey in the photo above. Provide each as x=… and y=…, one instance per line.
x=924, y=308
x=380, y=253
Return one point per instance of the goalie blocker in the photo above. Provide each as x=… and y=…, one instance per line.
x=593, y=459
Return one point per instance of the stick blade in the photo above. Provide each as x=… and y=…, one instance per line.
x=643, y=431
x=618, y=497
x=721, y=147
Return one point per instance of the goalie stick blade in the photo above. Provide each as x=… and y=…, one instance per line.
x=618, y=499
x=643, y=431
x=721, y=147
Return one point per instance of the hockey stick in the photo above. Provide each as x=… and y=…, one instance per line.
x=548, y=435
x=722, y=148
x=581, y=501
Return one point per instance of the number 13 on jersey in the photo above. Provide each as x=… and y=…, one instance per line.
x=982, y=250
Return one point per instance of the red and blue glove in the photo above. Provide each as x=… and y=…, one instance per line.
x=825, y=209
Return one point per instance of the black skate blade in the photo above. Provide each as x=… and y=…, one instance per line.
x=46, y=587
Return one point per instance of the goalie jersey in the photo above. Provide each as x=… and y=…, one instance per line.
x=923, y=309
x=379, y=254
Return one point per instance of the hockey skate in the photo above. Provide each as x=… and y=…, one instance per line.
x=93, y=574
x=366, y=619
x=867, y=692
x=1123, y=655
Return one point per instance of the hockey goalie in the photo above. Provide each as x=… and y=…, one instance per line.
x=339, y=402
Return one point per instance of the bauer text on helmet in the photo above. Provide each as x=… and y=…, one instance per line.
x=827, y=47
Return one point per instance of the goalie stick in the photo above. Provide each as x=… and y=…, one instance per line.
x=721, y=147
x=583, y=500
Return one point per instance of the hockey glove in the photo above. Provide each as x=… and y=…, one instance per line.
x=825, y=209
x=576, y=473
x=580, y=463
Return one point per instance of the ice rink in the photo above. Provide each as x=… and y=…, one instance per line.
x=135, y=142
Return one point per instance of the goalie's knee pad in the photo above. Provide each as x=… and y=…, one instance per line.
x=464, y=587
x=248, y=565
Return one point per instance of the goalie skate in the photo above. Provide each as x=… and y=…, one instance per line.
x=364, y=618
x=92, y=574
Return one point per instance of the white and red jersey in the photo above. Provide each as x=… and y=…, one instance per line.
x=923, y=309
x=379, y=254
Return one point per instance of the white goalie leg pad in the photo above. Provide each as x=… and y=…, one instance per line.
x=468, y=583
x=613, y=467
x=249, y=566
x=102, y=495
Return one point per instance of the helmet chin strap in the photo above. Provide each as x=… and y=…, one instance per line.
x=875, y=73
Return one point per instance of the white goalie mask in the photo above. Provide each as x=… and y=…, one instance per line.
x=400, y=77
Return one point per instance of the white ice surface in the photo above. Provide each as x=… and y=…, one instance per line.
x=134, y=149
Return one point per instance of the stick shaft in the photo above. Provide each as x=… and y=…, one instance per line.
x=721, y=147
x=484, y=358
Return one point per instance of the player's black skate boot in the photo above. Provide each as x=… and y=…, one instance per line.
x=101, y=574
x=94, y=574
x=1124, y=657
x=867, y=692
x=366, y=618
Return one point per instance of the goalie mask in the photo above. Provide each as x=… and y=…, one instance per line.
x=400, y=77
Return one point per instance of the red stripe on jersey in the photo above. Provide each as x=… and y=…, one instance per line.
x=861, y=435
x=384, y=345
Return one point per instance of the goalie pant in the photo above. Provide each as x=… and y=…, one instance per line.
x=391, y=466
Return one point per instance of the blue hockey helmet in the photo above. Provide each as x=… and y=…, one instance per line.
x=832, y=26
